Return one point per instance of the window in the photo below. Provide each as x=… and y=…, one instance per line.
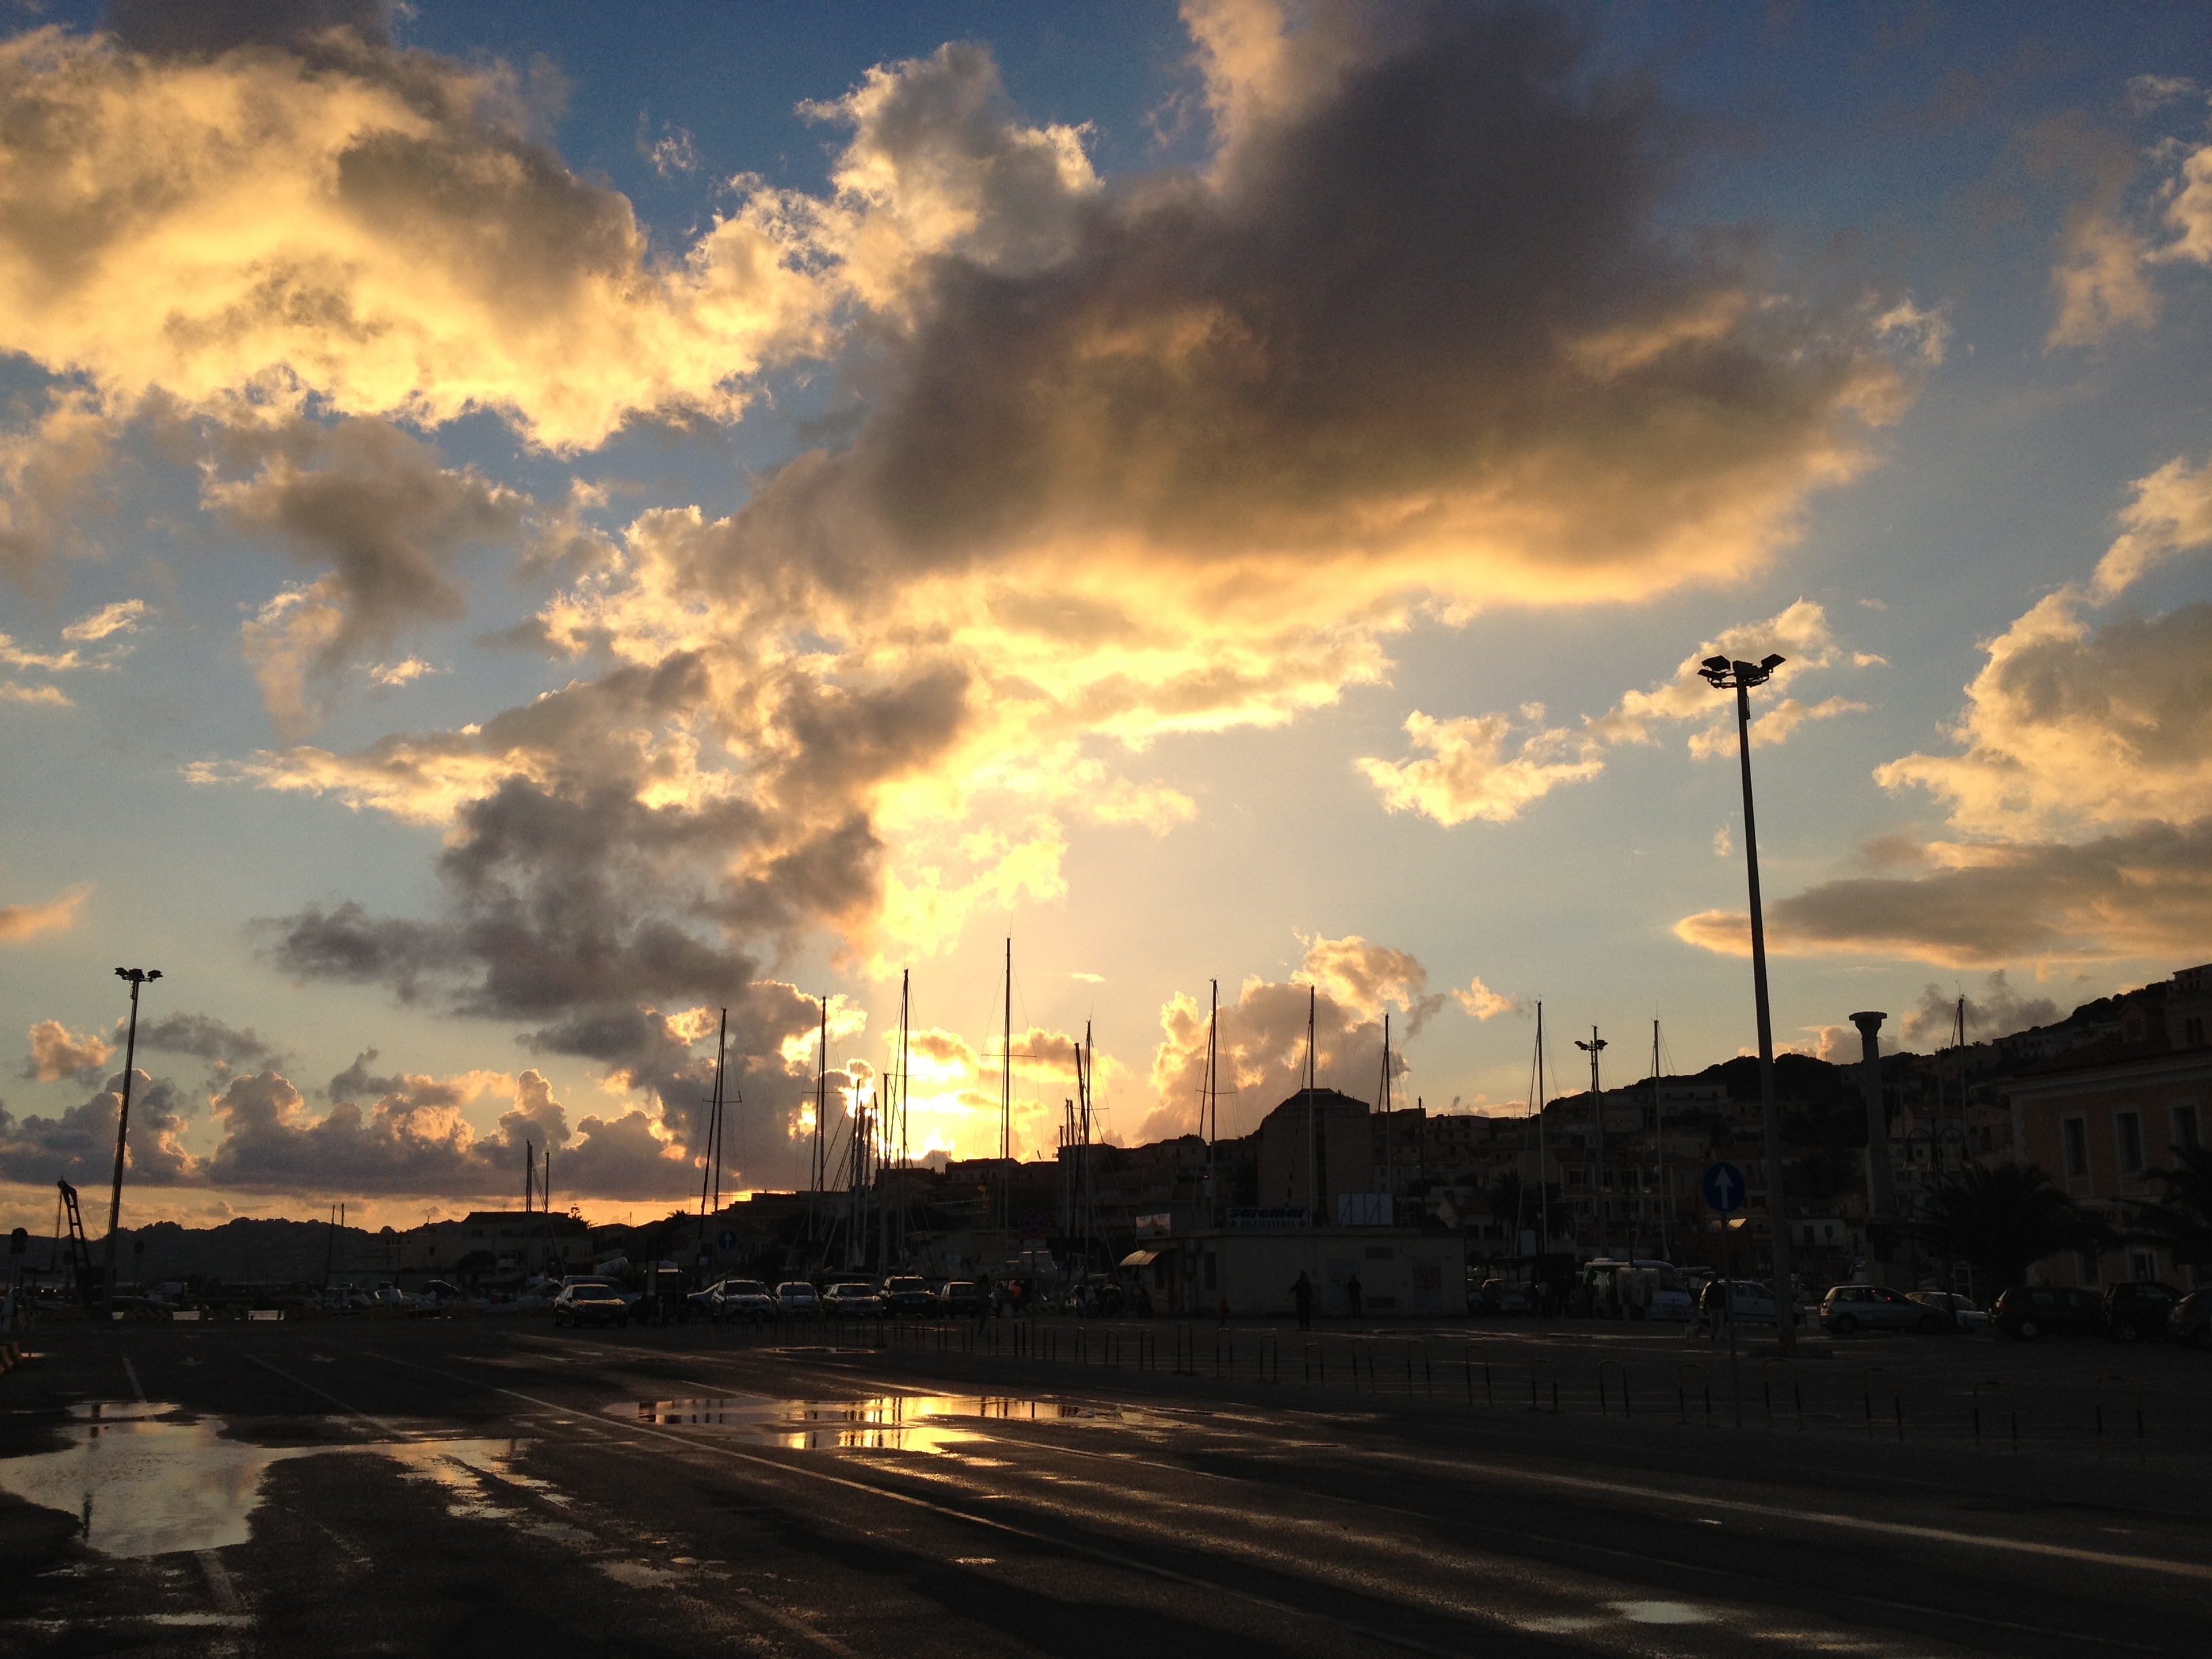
x=2085, y=1271
x=1211, y=1270
x=2184, y=1127
x=2077, y=1146
x=2128, y=1126
x=2192, y=1031
x=2141, y=1264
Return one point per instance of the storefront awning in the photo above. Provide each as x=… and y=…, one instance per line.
x=1145, y=1258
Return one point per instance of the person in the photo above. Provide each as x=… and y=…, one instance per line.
x=1303, y=1294
x=1351, y=1301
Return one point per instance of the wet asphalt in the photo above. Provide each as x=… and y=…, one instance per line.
x=475, y=1486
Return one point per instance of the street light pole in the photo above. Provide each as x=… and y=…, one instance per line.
x=138, y=977
x=1740, y=678
x=1597, y=1119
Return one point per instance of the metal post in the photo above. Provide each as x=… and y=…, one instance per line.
x=1881, y=1188
x=137, y=976
x=1741, y=677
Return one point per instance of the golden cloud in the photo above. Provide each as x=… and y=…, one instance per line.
x=57, y=914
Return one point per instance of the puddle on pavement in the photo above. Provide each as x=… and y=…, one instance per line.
x=149, y=1479
x=899, y=1422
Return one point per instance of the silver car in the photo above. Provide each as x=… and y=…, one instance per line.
x=1849, y=1308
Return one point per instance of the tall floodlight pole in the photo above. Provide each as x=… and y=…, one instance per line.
x=1739, y=678
x=138, y=978
x=1595, y=1044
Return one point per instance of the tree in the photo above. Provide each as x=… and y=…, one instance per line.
x=1506, y=1197
x=2183, y=1218
x=2002, y=1221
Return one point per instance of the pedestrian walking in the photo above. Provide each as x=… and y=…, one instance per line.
x=1352, y=1298
x=1303, y=1294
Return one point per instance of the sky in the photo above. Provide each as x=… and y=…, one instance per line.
x=524, y=527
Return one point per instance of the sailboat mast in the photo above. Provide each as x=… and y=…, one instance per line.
x=1313, y=1141
x=821, y=1112
x=1659, y=1139
x=714, y=1127
x=1006, y=1098
x=1543, y=1183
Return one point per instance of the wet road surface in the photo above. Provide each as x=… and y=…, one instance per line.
x=456, y=1487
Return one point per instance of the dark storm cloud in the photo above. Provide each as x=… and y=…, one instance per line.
x=79, y=1145
x=227, y=1048
x=208, y=28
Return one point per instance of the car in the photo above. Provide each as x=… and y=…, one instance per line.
x=1848, y=1308
x=2027, y=1313
x=907, y=1294
x=1749, y=1301
x=960, y=1299
x=2137, y=1309
x=740, y=1298
x=1967, y=1314
x=590, y=1304
x=795, y=1298
x=438, y=1290
x=1499, y=1296
x=2189, y=1320
x=852, y=1300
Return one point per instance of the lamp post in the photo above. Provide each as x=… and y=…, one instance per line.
x=1597, y=1118
x=1739, y=678
x=138, y=977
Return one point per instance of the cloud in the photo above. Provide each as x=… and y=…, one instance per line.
x=227, y=1048
x=124, y=616
x=1171, y=453
x=57, y=915
x=384, y=232
x=49, y=472
x=1998, y=1012
x=50, y=696
x=2070, y=728
x=2146, y=93
x=2145, y=892
x=56, y=1052
x=1468, y=773
x=2170, y=516
x=79, y=1145
x=2188, y=208
x=1483, y=1003
x=2099, y=280
x=389, y=519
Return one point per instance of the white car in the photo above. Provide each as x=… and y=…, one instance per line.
x=797, y=1297
x=740, y=1298
x=1967, y=1314
x=1749, y=1303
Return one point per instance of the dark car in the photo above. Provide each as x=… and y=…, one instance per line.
x=438, y=1290
x=2191, y=1319
x=909, y=1296
x=590, y=1304
x=2135, y=1309
x=960, y=1299
x=2029, y=1311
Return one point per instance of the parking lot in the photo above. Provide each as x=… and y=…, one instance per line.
x=1063, y=1486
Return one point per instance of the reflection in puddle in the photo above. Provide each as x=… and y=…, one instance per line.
x=1660, y=1613
x=899, y=1422
x=147, y=1479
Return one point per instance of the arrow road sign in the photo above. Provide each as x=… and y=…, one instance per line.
x=1724, y=1187
x=726, y=1239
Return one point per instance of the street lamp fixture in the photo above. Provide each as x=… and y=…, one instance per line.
x=1724, y=675
x=139, y=978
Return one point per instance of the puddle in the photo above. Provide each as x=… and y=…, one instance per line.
x=1660, y=1613
x=899, y=1422
x=637, y=1573
x=148, y=1478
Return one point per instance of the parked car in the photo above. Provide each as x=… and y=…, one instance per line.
x=438, y=1290
x=1749, y=1301
x=2137, y=1309
x=590, y=1304
x=1848, y=1308
x=2030, y=1312
x=795, y=1298
x=1967, y=1314
x=960, y=1299
x=2189, y=1320
x=852, y=1300
x=907, y=1294
x=740, y=1298
x=1499, y=1296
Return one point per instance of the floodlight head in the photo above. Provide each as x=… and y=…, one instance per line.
x=1770, y=664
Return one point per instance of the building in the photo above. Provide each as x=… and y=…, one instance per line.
x=2100, y=1118
x=1316, y=1148
x=1400, y=1271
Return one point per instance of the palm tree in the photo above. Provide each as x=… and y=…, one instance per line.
x=2002, y=1221
x=2183, y=1218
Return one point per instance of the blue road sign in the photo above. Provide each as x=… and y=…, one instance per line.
x=726, y=1239
x=1724, y=1187
x=1036, y=1225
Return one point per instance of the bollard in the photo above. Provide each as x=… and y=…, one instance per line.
x=1896, y=1397
x=2097, y=1398
x=1682, y=1390
x=1541, y=1369
x=1605, y=1366
x=1796, y=1389
x=2012, y=1405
